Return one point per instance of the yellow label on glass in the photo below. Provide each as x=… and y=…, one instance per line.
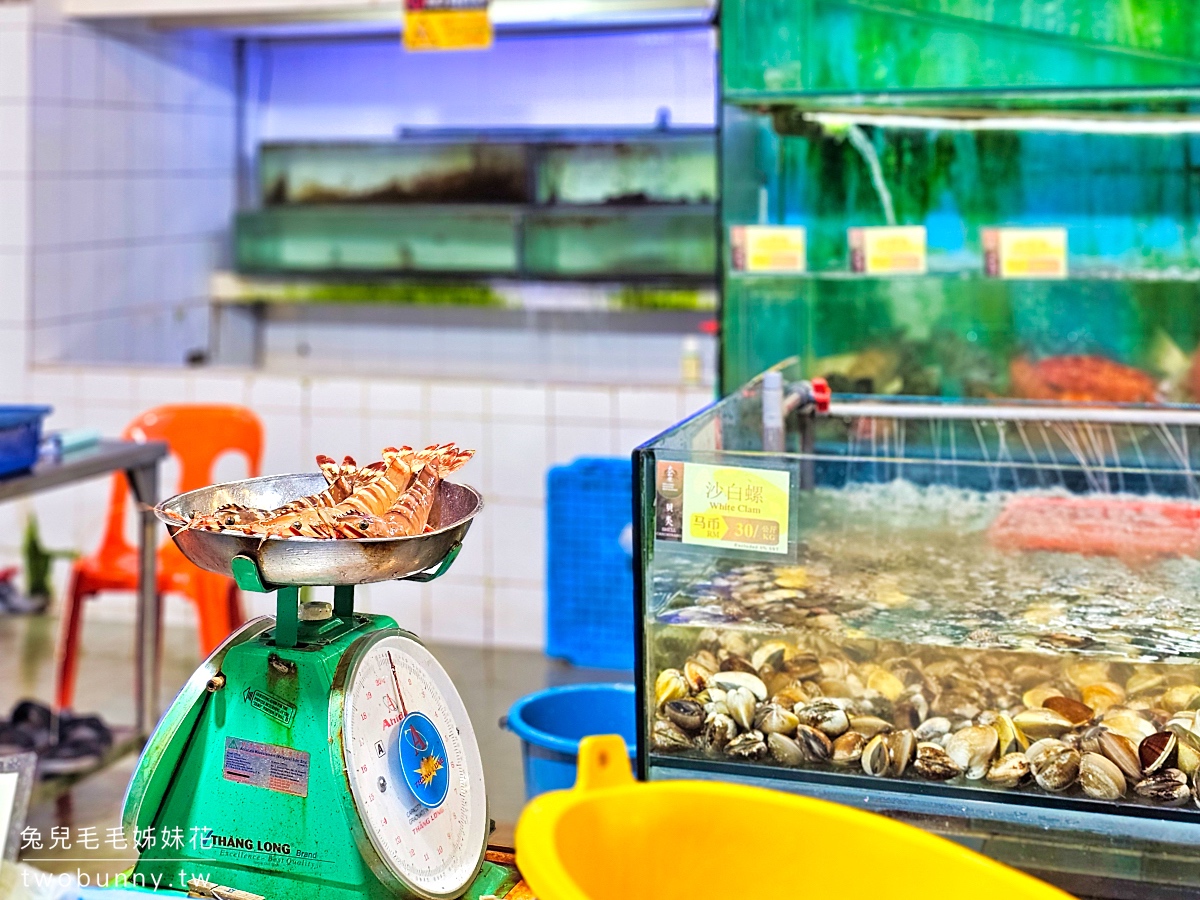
x=727, y=506
x=1025, y=252
x=447, y=25
x=769, y=248
x=888, y=250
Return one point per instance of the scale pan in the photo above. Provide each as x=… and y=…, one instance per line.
x=312, y=561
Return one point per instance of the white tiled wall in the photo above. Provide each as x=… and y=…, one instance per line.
x=116, y=188
x=130, y=139
x=495, y=594
x=15, y=30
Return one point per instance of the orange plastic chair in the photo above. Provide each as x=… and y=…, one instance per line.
x=197, y=436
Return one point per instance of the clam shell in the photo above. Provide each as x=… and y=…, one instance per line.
x=697, y=675
x=1035, y=697
x=1129, y=723
x=1122, y=752
x=719, y=730
x=803, y=667
x=735, y=663
x=1189, y=747
x=790, y=697
x=934, y=728
x=773, y=719
x=746, y=680
x=902, y=749
x=1103, y=695
x=824, y=715
x=816, y=744
x=848, y=748
x=687, y=714
x=1041, y=723
x=1056, y=769
x=869, y=726
x=1072, y=710
x=973, y=748
x=1085, y=672
x=784, y=750
x=717, y=706
x=1158, y=751
x=876, y=756
x=1145, y=682
x=934, y=763
x=1046, y=745
x=1179, y=697
x=670, y=685
x=747, y=746
x=884, y=682
x=1011, y=738
x=1168, y=786
x=741, y=705
x=771, y=653
x=1009, y=770
x=668, y=737
x=1100, y=778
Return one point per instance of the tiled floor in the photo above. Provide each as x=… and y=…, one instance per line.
x=488, y=680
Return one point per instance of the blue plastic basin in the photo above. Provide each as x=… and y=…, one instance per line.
x=551, y=723
x=20, y=434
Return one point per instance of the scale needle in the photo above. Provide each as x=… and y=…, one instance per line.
x=396, y=681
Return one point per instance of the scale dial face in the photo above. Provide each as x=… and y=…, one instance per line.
x=414, y=767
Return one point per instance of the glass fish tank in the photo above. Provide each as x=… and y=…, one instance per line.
x=966, y=119
x=978, y=615
x=576, y=204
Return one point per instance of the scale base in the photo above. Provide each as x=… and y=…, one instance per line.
x=246, y=788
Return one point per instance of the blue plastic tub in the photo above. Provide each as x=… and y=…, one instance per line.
x=20, y=435
x=551, y=723
x=589, y=564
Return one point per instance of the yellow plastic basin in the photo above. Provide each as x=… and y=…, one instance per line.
x=611, y=838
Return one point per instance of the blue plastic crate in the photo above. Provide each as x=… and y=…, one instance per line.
x=589, y=563
x=20, y=434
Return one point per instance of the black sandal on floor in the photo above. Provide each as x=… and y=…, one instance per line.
x=36, y=720
x=82, y=741
x=14, y=740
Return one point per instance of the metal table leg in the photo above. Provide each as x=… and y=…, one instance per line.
x=144, y=483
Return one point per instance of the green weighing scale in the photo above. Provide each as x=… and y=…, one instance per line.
x=322, y=753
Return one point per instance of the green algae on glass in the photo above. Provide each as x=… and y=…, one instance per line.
x=396, y=293
x=663, y=169
x=654, y=298
x=848, y=46
x=951, y=335
x=473, y=239
x=612, y=242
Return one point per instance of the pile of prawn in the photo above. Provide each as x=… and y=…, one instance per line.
x=389, y=498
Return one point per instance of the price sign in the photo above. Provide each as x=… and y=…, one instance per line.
x=768, y=248
x=447, y=25
x=1025, y=252
x=723, y=506
x=888, y=250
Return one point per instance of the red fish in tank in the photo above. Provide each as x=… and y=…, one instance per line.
x=1080, y=378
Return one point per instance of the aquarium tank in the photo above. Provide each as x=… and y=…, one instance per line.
x=976, y=615
x=968, y=120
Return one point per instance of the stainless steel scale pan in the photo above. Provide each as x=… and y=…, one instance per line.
x=313, y=561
